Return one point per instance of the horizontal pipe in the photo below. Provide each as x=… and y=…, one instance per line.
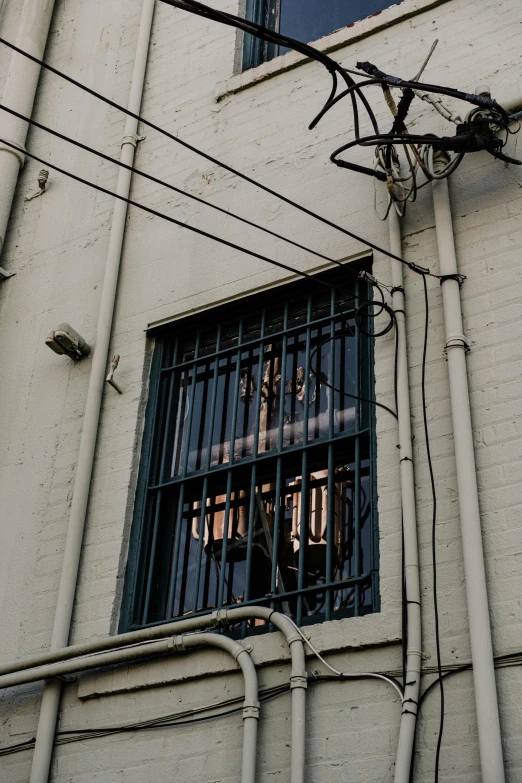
x=148, y=642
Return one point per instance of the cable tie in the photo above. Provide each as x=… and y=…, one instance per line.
x=400, y=311
x=409, y=459
x=409, y=712
x=459, y=278
x=412, y=701
x=399, y=289
x=413, y=602
x=413, y=682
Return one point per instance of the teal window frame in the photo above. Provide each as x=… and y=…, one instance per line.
x=160, y=515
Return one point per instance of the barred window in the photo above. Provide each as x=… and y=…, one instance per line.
x=257, y=473
x=305, y=20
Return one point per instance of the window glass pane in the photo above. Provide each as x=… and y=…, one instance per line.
x=308, y=20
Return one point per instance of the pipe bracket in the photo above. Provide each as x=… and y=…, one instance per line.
x=132, y=138
x=299, y=681
x=457, y=341
x=220, y=618
x=177, y=644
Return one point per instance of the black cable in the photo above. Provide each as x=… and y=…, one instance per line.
x=208, y=157
x=433, y=529
x=174, y=188
x=174, y=221
x=321, y=378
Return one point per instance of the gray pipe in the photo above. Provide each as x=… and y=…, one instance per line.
x=117, y=646
x=163, y=647
x=82, y=481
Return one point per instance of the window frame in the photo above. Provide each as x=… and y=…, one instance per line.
x=134, y=570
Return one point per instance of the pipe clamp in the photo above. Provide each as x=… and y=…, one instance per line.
x=299, y=681
x=132, y=138
x=177, y=644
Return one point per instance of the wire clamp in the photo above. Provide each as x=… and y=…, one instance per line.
x=177, y=643
x=363, y=275
x=132, y=138
x=398, y=289
x=251, y=709
x=220, y=618
x=420, y=269
x=299, y=681
x=459, y=278
x=456, y=341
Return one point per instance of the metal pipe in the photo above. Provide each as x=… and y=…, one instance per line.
x=251, y=702
x=488, y=721
x=121, y=646
x=163, y=647
x=19, y=93
x=73, y=544
x=404, y=757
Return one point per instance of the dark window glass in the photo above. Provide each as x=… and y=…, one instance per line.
x=305, y=20
x=257, y=469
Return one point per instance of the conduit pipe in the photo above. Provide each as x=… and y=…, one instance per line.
x=163, y=647
x=490, y=743
x=126, y=647
x=19, y=93
x=408, y=722
x=73, y=545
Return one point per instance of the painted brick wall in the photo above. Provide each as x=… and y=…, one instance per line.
x=57, y=246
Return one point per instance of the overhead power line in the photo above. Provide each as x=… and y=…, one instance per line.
x=170, y=219
x=175, y=189
x=215, y=161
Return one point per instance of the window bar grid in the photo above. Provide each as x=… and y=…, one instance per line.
x=201, y=535
x=235, y=403
x=213, y=403
x=288, y=332
x=175, y=557
x=303, y=532
x=190, y=417
x=251, y=519
x=171, y=383
x=226, y=524
x=330, y=527
x=357, y=457
x=282, y=383
x=259, y=389
x=275, y=580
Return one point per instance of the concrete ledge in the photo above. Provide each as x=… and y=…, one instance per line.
x=329, y=43
x=355, y=634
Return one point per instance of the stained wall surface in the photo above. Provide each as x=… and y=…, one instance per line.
x=57, y=246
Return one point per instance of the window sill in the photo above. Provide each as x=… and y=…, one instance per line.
x=330, y=43
x=338, y=636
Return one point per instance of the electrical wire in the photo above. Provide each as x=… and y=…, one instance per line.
x=322, y=379
x=433, y=529
x=176, y=222
x=185, y=193
x=349, y=675
x=208, y=157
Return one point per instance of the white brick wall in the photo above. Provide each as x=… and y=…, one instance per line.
x=57, y=246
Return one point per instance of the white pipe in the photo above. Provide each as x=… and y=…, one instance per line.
x=251, y=702
x=163, y=647
x=73, y=544
x=490, y=743
x=19, y=93
x=144, y=636
x=404, y=758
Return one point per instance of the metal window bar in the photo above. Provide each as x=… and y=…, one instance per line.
x=239, y=475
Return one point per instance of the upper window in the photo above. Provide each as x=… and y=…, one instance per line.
x=305, y=20
x=257, y=473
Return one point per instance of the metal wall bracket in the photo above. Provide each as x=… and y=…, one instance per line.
x=110, y=377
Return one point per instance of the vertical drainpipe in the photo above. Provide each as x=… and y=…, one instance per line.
x=490, y=742
x=73, y=545
x=19, y=93
x=408, y=722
